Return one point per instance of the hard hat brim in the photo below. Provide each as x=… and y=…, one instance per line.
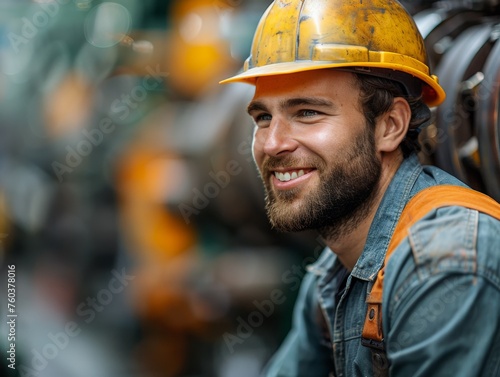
x=433, y=94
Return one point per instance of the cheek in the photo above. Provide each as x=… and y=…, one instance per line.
x=324, y=142
x=336, y=136
x=326, y=139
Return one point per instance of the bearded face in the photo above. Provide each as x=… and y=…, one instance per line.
x=341, y=197
x=315, y=151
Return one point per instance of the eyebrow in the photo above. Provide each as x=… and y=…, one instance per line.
x=256, y=106
x=292, y=102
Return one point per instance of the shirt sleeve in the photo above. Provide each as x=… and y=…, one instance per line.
x=444, y=293
x=304, y=351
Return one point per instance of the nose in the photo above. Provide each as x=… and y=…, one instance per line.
x=277, y=139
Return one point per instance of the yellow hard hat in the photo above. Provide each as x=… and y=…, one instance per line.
x=301, y=35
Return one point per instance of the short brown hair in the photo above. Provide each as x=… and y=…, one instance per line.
x=377, y=96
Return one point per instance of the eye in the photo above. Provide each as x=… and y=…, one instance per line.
x=308, y=113
x=262, y=120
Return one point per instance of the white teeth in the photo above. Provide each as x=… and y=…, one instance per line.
x=285, y=177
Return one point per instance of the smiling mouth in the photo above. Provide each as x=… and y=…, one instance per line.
x=290, y=174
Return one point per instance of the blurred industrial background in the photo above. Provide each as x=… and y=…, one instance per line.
x=129, y=202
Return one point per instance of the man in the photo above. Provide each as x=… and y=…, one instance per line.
x=341, y=90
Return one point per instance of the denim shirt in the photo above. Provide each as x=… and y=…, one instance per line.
x=441, y=299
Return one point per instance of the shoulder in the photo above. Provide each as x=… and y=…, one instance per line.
x=445, y=234
x=448, y=226
x=442, y=283
x=448, y=241
x=454, y=238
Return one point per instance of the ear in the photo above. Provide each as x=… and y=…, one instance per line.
x=393, y=126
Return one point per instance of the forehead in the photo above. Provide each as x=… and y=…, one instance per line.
x=323, y=82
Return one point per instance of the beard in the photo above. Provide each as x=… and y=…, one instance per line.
x=339, y=203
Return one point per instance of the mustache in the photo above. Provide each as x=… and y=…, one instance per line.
x=273, y=163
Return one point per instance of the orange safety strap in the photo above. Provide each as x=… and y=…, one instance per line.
x=421, y=204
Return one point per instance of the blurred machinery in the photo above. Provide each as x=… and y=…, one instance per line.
x=191, y=205
x=462, y=40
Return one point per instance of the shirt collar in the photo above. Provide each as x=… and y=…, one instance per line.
x=395, y=198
